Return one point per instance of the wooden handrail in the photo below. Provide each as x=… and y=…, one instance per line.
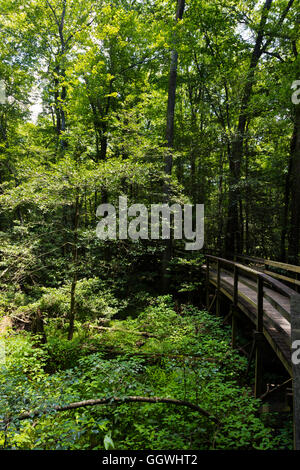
x=250, y=258
x=279, y=286
x=269, y=262
x=291, y=270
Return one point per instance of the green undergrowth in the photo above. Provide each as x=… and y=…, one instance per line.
x=172, y=352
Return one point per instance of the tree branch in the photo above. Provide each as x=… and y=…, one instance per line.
x=274, y=54
x=53, y=12
x=123, y=330
x=280, y=21
x=120, y=401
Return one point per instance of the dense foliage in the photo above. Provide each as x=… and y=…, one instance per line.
x=187, y=358
x=87, y=114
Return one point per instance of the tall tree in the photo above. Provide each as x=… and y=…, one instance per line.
x=170, y=133
x=294, y=232
x=233, y=240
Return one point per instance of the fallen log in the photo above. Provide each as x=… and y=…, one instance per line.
x=123, y=330
x=192, y=357
x=22, y=320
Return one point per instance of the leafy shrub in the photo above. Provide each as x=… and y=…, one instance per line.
x=92, y=301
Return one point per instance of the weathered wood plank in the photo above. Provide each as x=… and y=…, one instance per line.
x=278, y=339
x=287, y=267
x=268, y=262
x=284, y=278
x=276, y=327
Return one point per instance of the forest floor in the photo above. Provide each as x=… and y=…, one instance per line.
x=160, y=354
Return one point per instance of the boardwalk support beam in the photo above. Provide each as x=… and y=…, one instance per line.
x=258, y=335
x=258, y=338
x=250, y=357
x=207, y=283
x=234, y=307
x=218, y=288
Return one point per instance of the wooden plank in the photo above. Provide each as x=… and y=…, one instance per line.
x=248, y=293
x=260, y=304
x=287, y=267
x=282, y=304
x=281, y=350
x=276, y=328
x=269, y=262
x=284, y=278
x=278, y=285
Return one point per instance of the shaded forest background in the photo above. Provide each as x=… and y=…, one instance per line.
x=98, y=75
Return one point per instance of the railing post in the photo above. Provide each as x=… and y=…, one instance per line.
x=258, y=338
x=260, y=305
x=218, y=288
x=234, y=307
x=296, y=286
x=295, y=338
x=207, y=283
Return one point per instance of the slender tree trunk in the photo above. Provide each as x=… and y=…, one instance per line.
x=172, y=95
x=294, y=235
x=170, y=140
x=57, y=108
x=37, y=327
x=75, y=267
x=285, y=215
x=247, y=203
x=193, y=149
x=60, y=94
x=62, y=111
x=220, y=204
x=233, y=240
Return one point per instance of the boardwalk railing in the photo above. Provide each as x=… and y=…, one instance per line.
x=285, y=272
x=271, y=305
x=262, y=279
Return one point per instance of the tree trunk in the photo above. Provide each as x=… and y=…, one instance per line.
x=75, y=274
x=170, y=141
x=172, y=95
x=294, y=234
x=233, y=242
x=285, y=216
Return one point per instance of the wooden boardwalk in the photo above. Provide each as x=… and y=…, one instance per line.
x=275, y=301
x=273, y=308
